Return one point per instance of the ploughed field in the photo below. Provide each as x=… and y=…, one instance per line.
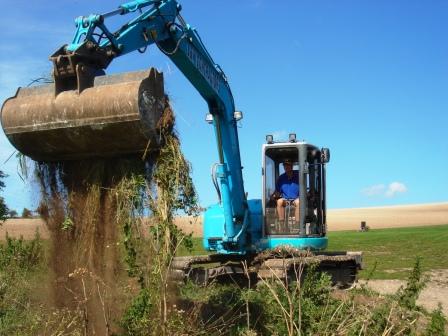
x=338, y=220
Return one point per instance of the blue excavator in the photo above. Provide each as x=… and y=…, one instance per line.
x=85, y=113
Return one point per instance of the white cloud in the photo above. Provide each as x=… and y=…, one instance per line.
x=395, y=188
x=381, y=190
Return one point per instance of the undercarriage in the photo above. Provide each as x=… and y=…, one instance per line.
x=283, y=264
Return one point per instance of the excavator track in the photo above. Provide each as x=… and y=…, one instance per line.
x=288, y=266
x=205, y=269
x=342, y=267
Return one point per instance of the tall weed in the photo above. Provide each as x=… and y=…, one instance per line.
x=19, y=261
x=312, y=307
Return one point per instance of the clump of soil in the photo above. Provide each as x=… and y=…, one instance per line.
x=82, y=205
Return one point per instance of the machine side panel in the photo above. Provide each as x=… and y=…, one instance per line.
x=256, y=224
x=213, y=228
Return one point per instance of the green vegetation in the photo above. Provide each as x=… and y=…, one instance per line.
x=194, y=249
x=3, y=208
x=27, y=213
x=437, y=324
x=394, y=250
x=19, y=264
x=310, y=307
x=169, y=189
x=13, y=214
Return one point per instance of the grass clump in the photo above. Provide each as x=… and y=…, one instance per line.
x=20, y=255
x=137, y=319
x=19, y=262
x=407, y=296
x=437, y=324
x=23, y=284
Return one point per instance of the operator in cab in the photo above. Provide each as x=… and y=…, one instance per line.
x=287, y=190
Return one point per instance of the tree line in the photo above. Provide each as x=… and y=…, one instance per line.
x=5, y=212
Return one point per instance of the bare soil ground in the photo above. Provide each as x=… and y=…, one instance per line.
x=26, y=228
x=388, y=217
x=435, y=292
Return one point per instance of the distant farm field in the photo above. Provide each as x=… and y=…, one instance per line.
x=375, y=218
x=337, y=219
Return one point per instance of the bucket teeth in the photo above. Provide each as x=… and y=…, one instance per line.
x=117, y=116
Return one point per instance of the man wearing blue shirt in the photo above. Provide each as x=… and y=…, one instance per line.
x=287, y=188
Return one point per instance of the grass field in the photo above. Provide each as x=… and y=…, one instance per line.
x=393, y=251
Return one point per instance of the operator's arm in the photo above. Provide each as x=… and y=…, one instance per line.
x=278, y=187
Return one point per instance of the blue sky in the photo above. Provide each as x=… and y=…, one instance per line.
x=368, y=79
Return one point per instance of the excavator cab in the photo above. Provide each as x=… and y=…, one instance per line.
x=304, y=217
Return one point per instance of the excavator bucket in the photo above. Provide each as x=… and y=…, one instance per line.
x=118, y=115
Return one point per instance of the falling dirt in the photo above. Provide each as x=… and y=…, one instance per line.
x=79, y=208
x=79, y=203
